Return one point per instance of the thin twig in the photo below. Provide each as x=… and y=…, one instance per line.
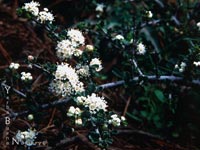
x=126, y=107
x=138, y=69
x=44, y=106
x=52, y=116
x=139, y=132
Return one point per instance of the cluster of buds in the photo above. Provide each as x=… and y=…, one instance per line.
x=116, y=120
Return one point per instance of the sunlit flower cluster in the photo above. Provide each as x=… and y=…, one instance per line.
x=141, y=50
x=26, y=76
x=66, y=81
x=64, y=49
x=69, y=47
x=14, y=66
x=96, y=62
x=45, y=16
x=93, y=103
x=42, y=16
x=26, y=137
x=76, y=37
x=32, y=7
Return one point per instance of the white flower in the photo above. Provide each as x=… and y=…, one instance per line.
x=61, y=88
x=76, y=37
x=176, y=66
x=198, y=25
x=65, y=49
x=73, y=112
x=89, y=48
x=115, y=120
x=80, y=100
x=149, y=14
x=93, y=103
x=66, y=81
x=183, y=64
x=78, y=87
x=119, y=37
x=141, y=49
x=78, y=121
x=83, y=71
x=32, y=7
x=99, y=7
x=78, y=52
x=96, y=61
x=182, y=67
x=196, y=63
x=14, y=66
x=123, y=118
x=66, y=72
x=45, y=16
x=26, y=76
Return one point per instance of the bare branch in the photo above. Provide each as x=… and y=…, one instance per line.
x=150, y=78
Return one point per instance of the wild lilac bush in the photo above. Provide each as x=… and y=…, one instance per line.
x=141, y=40
x=70, y=78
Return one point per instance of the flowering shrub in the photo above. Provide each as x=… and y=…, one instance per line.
x=148, y=48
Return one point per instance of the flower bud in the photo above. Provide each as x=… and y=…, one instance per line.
x=89, y=48
x=30, y=58
x=30, y=117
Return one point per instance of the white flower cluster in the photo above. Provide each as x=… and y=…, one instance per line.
x=181, y=68
x=26, y=137
x=64, y=49
x=93, y=103
x=115, y=120
x=32, y=7
x=69, y=47
x=83, y=71
x=43, y=16
x=26, y=76
x=76, y=37
x=14, y=66
x=196, y=63
x=66, y=81
x=96, y=61
x=141, y=50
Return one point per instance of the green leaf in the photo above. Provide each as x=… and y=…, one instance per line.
x=159, y=95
